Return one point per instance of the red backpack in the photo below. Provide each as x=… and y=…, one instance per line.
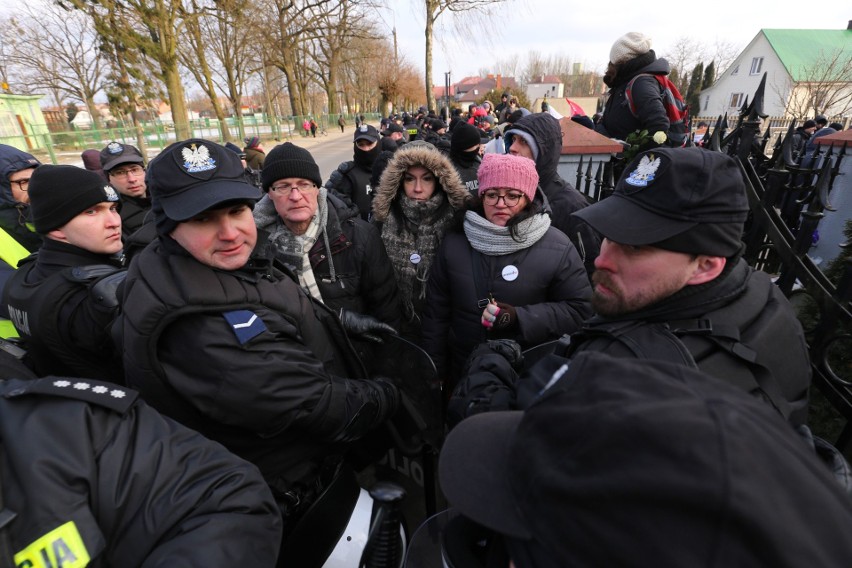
x=676, y=108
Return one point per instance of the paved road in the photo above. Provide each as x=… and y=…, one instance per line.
x=329, y=150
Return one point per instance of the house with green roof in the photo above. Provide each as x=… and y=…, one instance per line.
x=808, y=72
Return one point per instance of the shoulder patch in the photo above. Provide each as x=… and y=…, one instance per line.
x=245, y=324
x=102, y=393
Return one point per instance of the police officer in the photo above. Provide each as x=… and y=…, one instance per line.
x=351, y=180
x=670, y=284
x=117, y=484
x=62, y=299
x=217, y=337
x=125, y=169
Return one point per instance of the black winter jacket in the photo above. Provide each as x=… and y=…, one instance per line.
x=249, y=360
x=96, y=473
x=755, y=308
x=363, y=279
x=551, y=295
x=618, y=121
x=14, y=216
x=561, y=195
x=352, y=183
x=68, y=332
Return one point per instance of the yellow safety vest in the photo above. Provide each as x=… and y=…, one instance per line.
x=11, y=252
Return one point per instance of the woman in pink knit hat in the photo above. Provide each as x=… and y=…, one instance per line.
x=509, y=274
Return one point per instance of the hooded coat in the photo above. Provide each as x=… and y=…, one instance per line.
x=561, y=195
x=412, y=273
x=13, y=214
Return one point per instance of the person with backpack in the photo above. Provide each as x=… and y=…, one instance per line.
x=669, y=284
x=641, y=97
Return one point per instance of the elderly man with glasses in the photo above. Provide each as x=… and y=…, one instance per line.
x=338, y=257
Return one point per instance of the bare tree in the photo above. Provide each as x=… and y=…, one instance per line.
x=434, y=9
x=157, y=29
x=822, y=87
x=56, y=50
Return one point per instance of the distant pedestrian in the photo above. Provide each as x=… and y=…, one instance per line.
x=306, y=126
x=341, y=122
x=313, y=126
x=254, y=153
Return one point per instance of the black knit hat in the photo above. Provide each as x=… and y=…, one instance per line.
x=60, y=193
x=289, y=161
x=464, y=136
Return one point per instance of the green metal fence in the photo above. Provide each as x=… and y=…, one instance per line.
x=159, y=134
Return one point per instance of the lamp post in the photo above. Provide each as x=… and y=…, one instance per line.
x=447, y=75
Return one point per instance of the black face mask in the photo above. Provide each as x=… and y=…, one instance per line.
x=365, y=159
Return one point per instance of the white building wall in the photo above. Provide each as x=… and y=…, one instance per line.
x=738, y=79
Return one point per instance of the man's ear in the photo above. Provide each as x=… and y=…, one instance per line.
x=707, y=268
x=58, y=235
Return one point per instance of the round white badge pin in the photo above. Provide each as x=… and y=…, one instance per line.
x=414, y=258
x=510, y=273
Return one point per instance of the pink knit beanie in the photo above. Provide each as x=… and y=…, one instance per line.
x=507, y=171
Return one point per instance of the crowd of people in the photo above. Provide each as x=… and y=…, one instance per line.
x=240, y=296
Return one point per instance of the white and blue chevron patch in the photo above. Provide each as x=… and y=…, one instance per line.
x=246, y=325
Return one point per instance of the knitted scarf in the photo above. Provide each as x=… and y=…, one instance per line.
x=493, y=240
x=419, y=233
x=292, y=249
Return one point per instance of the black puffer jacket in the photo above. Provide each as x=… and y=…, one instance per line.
x=356, y=275
x=550, y=293
x=561, y=195
x=742, y=303
x=249, y=360
x=618, y=121
x=120, y=484
x=14, y=216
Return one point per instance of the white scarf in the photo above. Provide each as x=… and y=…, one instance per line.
x=494, y=240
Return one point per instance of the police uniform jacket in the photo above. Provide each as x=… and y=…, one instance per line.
x=134, y=211
x=744, y=309
x=62, y=302
x=560, y=194
x=246, y=358
x=550, y=293
x=352, y=182
x=96, y=478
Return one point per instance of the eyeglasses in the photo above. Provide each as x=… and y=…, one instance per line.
x=23, y=184
x=285, y=189
x=124, y=172
x=510, y=199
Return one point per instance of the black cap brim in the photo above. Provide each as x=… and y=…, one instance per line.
x=621, y=220
x=194, y=200
x=474, y=472
x=122, y=159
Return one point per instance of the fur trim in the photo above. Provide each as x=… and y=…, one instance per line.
x=390, y=185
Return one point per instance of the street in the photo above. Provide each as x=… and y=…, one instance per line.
x=328, y=151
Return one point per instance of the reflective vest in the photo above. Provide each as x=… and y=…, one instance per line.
x=11, y=252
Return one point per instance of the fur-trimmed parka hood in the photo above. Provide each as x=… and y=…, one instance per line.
x=426, y=156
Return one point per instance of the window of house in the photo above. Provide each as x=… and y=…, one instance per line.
x=756, y=65
x=736, y=69
x=736, y=100
x=476, y=92
x=706, y=102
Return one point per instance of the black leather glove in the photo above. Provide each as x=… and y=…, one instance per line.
x=509, y=349
x=389, y=394
x=362, y=326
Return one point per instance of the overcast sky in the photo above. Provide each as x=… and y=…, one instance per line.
x=585, y=31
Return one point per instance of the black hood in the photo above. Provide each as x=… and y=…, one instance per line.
x=545, y=129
